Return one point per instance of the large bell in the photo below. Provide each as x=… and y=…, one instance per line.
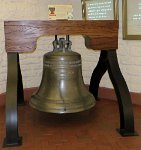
x=62, y=89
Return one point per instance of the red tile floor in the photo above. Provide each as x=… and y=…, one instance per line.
x=92, y=130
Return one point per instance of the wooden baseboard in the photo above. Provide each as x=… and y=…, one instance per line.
x=104, y=93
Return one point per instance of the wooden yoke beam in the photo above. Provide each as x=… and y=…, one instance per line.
x=21, y=36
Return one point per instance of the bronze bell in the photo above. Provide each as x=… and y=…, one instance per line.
x=62, y=89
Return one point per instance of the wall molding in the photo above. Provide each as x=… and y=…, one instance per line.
x=104, y=93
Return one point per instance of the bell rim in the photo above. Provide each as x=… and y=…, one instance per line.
x=58, y=111
x=80, y=107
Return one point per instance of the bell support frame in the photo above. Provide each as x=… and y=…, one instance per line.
x=21, y=36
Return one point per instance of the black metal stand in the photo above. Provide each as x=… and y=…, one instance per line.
x=20, y=91
x=14, y=96
x=97, y=74
x=108, y=61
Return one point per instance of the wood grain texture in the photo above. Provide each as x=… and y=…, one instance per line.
x=21, y=36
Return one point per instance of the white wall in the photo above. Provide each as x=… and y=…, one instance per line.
x=129, y=52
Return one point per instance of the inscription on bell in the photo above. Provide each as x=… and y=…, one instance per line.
x=64, y=74
x=62, y=63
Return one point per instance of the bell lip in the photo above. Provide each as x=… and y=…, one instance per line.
x=61, y=111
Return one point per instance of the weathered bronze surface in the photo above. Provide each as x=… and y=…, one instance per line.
x=62, y=89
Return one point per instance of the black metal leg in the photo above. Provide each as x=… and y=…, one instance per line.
x=123, y=95
x=12, y=136
x=108, y=60
x=20, y=92
x=97, y=74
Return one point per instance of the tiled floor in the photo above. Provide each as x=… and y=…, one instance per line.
x=93, y=130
